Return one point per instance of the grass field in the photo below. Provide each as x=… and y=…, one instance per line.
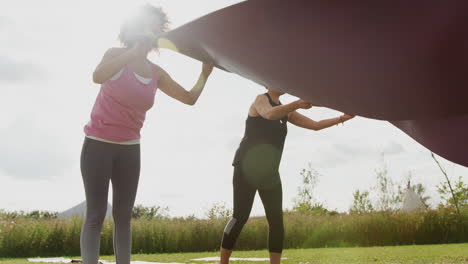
x=448, y=253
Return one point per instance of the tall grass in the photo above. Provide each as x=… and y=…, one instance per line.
x=26, y=237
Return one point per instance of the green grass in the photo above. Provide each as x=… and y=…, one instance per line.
x=447, y=253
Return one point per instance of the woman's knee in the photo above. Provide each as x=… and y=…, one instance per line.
x=235, y=223
x=95, y=217
x=276, y=221
x=122, y=216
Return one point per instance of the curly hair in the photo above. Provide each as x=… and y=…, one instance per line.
x=132, y=28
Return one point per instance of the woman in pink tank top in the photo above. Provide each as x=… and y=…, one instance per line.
x=111, y=150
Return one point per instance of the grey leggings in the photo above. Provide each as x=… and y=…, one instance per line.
x=101, y=163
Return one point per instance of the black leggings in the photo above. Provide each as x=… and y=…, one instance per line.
x=244, y=195
x=102, y=163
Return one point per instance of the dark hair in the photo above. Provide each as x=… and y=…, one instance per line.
x=132, y=28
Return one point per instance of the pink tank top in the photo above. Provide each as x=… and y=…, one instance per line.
x=120, y=108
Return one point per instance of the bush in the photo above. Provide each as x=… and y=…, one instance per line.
x=28, y=237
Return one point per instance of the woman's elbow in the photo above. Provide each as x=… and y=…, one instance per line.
x=97, y=78
x=190, y=101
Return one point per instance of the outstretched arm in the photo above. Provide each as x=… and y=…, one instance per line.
x=176, y=91
x=305, y=122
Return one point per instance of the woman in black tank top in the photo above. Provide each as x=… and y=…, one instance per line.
x=256, y=165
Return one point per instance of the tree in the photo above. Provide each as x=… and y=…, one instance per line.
x=218, y=211
x=305, y=201
x=447, y=186
x=388, y=197
x=458, y=193
x=41, y=214
x=361, y=203
x=150, y=212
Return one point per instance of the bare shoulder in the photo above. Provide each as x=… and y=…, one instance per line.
x=161, y=73
x=114, y=52
x=261, y=98
x=252, y=111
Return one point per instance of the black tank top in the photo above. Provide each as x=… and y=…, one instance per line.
x=259, y=153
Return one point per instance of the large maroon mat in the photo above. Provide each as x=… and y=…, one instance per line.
x=402, y=61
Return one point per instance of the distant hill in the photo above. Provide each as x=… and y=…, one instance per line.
x=80, y=211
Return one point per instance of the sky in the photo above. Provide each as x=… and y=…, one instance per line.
x=48, y=53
